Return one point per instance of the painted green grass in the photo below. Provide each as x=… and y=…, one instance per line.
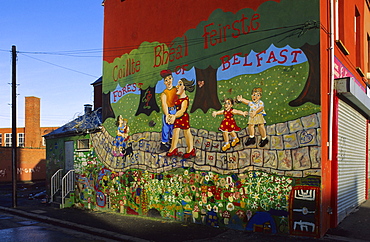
x=280, y=86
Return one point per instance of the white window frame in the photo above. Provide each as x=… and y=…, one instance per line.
x=21, y=139
x=8, y=140
x=83, y=144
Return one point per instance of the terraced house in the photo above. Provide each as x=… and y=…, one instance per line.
x=252, y=115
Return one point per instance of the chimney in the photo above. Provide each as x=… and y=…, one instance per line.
x=32, y=132
x=88, y=108
x=98, y=93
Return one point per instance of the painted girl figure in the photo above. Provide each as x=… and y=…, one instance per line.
x=256, y=113
x=228, y=124
x=181, y=119
x=121, y=136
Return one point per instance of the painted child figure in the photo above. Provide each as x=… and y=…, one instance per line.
x=121, y=136
x=256, y=113
x=228, y=124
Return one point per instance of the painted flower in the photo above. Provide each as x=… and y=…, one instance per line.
x=215, y=208
x=209, y=207
x=254, y=205
x=193, y=188
x=197, y=177
x=223, y=182
x=236, y=195
x=256, y=196
x=204, y=198
x=230, y=206
x=226, y=194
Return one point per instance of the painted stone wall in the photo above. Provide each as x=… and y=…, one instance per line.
x=294, y=151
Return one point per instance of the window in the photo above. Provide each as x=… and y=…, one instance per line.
x=357, y=36
x=340, y=22
x=8, y=140
x=368, y=54
x=83, y=144
x=20, y=139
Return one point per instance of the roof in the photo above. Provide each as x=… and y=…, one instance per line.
x=87, y=123
x=98, y=81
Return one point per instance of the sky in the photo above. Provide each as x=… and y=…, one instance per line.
x=59, y=54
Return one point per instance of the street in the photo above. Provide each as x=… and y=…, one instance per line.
x=16, y=228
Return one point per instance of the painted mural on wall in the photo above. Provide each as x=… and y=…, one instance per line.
x=218, y=126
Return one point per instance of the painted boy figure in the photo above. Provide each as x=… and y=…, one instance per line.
x=256, y=113
x=168, y=99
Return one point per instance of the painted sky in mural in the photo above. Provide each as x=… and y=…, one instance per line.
x=233, y=66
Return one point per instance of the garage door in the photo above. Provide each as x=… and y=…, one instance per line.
x=351, y=159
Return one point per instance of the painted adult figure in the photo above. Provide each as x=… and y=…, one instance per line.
x=181, y=120
x=168, y=98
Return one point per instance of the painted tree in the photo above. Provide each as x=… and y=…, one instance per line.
x=226, y=34
x=135, y=70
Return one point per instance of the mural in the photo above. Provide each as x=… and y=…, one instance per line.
x=164, y=149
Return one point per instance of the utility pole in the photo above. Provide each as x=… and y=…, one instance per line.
x=14, y=125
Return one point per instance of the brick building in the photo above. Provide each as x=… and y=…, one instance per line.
x=308, y=62
x=31, y=148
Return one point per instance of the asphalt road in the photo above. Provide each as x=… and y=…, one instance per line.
x=16, y=228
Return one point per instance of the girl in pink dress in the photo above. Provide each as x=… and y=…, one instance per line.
x=228, y=124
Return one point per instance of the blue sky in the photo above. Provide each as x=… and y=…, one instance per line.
x=59, y=45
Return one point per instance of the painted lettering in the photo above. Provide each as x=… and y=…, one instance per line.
x=129, y=88
x=162, y=56
x=264, y=57
x=213, y=35
x=131, y=67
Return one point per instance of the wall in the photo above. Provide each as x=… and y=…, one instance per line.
x=55, y=154
x=30, y=158
x=31, y=166
x=228, y=48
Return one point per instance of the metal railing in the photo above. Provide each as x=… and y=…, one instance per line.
x=56, y=182
x=68, y=184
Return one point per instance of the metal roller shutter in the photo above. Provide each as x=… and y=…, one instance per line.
x=351, y=159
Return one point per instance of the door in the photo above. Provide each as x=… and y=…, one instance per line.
x=68, y=149
x=351, y=159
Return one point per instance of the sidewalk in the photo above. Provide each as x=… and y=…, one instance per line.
x=135, y=228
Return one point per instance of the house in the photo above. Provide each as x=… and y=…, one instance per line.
x=271, y=113
x=31, y=155
x=72, y=142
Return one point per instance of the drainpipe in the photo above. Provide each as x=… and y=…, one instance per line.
x=331, y=60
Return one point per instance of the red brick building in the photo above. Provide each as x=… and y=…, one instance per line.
x=31, y=148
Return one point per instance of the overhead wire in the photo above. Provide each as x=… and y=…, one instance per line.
x=148, y=49
x=63, y=67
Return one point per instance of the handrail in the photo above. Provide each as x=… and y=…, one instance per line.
x=56, y=182
x=68, y=184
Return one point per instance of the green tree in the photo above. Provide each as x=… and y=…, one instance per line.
x=293, y=23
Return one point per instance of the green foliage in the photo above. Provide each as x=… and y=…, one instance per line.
x=280, y=85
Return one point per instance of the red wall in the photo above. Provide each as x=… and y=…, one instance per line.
x=161, y=29
x=31, y=164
